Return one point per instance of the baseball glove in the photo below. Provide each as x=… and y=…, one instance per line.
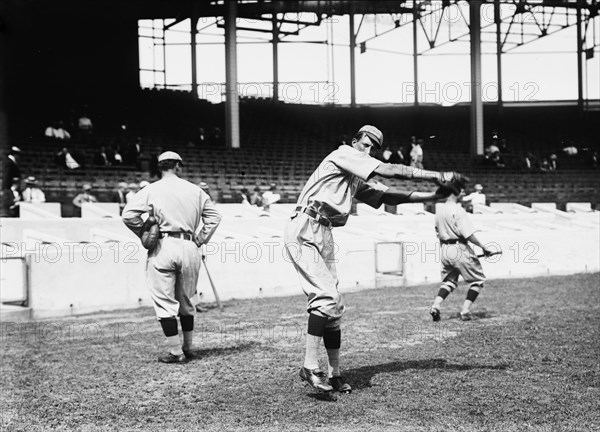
x=150, y=233
x=451, y=181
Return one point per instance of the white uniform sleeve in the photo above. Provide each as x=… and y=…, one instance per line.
x=354, y=162
x=371, y=193
x=133, y=210
x=211, y=219
x=463, y=223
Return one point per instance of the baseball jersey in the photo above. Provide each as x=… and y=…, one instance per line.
x=179, y=206
x=452, y=222
x=475, y=198
x=342, y=175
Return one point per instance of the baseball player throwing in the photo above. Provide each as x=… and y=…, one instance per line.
x=455, y=230
x=187, y=219
x=324, y=203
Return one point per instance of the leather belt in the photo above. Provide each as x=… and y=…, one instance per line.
x=453, y=241
x=311, y=212
x=179, y=235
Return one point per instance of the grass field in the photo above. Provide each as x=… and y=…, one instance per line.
x=530, y=361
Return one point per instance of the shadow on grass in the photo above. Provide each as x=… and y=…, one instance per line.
x=475, y=315
x=361, y=377
x=212, y=352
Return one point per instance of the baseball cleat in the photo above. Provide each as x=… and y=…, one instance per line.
x=190, y=354
x=435, y=313
x=466, y=316
x=316, y=378
x=172, y=358
x=340, y=385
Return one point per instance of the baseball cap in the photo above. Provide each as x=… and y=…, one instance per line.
x=373, y=133
x=87, y=186
x=144, y=183
x=203, y=185
x=30, y=180
x=478, y=187
x=170, y=155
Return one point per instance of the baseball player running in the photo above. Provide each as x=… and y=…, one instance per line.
x=324, y=203
x=187, y=219
x=454, y=230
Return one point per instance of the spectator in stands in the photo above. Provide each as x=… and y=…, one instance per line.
x=133, y=152
x=256, y=197
x=476, y=197
x=206, y=188
x=101, y=157
x=544, y=165
x=57, y=132
x=270, y=197
x=389, y=155
x=153, y=164
x=553, y=158
x=504, y=147
x=530, y=161
x=217, y=139
x=32, y=193
x=85, y=127
x=114, y=156
x=66, y=159
x=245, y=196
x=120, y=195
x=10, y=168
x=13, y=197
x=594, y=160
x=399, y=155
x=133, y=189
x=416, y=154
x=570, y=150
x=85, y=196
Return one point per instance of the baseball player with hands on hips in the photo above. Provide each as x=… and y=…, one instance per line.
x=186, y=218
x=455, y=230
x=325, y=202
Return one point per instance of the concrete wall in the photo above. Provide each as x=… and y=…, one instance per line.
x=79, y=266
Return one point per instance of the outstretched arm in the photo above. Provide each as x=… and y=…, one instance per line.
x=395, y=196
x=406, y=172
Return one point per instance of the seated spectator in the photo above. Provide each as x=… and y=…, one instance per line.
x=114, y=156
x=13, y=197
x=133, y=189
x=544, y=165
x=256, y=197
x=101, y=157
x=85, y=196
x=530, y=161
x=594, y=160
x=32, y=193
x=66, y=159
x=57, y=132
x=570, y=150
x=553, y=158
x=476, y=197
x=399, y=156
x=133, y=152
x=270, y=197
x=497, y=160
x=206, y=188
x=416, y=154
x=245, y=196
x=120, y=195
x=84, y=123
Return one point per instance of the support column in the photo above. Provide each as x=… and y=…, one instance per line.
x=498, y=21
x=415, y=54
x=275, y=58
x=476, y=102
x=193, y=34
x=579, y=63
x=352, y=62
x=232, y=109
